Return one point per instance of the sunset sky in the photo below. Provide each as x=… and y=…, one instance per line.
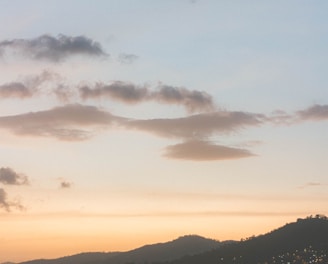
x=130, y=122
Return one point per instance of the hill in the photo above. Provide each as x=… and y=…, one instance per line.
x=304, y=241
x=186, y=245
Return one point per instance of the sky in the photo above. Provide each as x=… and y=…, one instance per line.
x=127, y=122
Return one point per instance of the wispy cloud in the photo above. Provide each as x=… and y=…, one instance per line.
x=198, y=150
x=28, y=87
x=8, y=205
x=69, y=122
x=129, y=93
x=10, y=177
x=312, y=184
x=280, y=117
x=54, y=49
x=315, y=113
x=127, y=58
x=63, y=93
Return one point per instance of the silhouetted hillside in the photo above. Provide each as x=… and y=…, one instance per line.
x=175, y=249
x=305, y=240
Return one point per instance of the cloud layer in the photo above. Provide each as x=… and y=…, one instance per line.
x=53, y=49
x=79, y=122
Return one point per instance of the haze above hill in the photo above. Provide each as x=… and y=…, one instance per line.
x=303, y=240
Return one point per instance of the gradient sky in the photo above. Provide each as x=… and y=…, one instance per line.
x=129, y=122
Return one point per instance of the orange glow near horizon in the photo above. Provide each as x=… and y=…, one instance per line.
x=40, y=237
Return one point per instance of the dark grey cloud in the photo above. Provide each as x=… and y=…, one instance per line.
x=46, y=47
x=69, y=122
x=197, y=126
x=8, y=205
x=315, y=113
x=193, y=101
x=127, y=58
x=10, y=177
x=199, y=150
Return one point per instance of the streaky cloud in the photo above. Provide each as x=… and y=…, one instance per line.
x=70, y=122
x=54, y=49
x=312, y=184
x=10, y=177
x=198, y=150
x=280, y=117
